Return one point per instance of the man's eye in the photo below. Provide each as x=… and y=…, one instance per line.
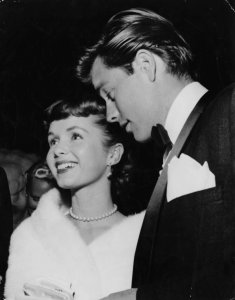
x=109, y=96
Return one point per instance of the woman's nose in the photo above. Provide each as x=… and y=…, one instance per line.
x=60, y=149
x=112, y=113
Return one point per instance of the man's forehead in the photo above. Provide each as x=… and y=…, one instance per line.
x=99, y=72
x=103, y=77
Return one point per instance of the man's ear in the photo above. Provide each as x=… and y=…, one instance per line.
x=115, y=154
x=146, y=63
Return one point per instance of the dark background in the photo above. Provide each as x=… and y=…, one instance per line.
x=41, y=40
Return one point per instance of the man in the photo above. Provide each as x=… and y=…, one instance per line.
x=6, y=224
x=141, y=66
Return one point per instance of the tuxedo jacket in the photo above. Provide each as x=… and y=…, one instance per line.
x=6, y=224
x=194, y=245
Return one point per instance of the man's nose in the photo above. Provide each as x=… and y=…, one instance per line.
x=112, y=114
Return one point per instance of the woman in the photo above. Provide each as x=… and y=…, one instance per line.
x=88, y=245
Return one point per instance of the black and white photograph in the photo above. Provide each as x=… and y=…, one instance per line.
x=117, y=150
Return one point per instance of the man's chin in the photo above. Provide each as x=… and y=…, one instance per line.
x=141, y=138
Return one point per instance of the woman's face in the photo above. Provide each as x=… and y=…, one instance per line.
x=77, y=156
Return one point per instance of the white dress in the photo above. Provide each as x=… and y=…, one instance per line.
x=48, y=245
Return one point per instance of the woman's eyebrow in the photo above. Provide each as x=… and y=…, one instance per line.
x=50, y=133
x=76, y=127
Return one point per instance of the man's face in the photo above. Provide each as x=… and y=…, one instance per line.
x=129, y=98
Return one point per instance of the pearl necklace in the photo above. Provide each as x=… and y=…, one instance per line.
x=90, y=219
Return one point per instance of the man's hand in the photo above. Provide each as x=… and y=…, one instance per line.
x=123, y=295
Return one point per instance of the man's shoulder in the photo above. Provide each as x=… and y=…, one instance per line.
x=226, y=91
x=221, y=100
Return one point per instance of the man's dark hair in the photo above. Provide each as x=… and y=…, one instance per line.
x=134, y=29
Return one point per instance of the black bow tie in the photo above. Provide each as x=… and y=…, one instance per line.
x=161, y=139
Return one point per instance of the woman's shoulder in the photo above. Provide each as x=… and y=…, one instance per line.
x=51, y=202
x=22, y=234
x=48, y=212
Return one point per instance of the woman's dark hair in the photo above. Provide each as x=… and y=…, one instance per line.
x=89, y=103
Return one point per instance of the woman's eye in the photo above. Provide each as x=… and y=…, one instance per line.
x=76, y=136
x=52, y=142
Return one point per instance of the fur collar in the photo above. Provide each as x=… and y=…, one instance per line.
x=48, y=245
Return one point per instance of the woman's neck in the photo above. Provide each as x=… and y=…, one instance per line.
x=92, y=201
x=94, y=204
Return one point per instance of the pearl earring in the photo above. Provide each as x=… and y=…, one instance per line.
x=110, y=171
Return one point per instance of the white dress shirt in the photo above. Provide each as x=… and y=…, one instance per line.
x=181, y=108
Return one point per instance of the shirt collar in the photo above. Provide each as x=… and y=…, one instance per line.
x=181, y=108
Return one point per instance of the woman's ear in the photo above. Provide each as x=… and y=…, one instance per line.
x=115, y=154
x=146, y=63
